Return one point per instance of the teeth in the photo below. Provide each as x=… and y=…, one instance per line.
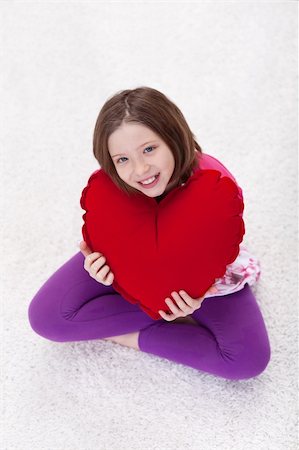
x=150, y=180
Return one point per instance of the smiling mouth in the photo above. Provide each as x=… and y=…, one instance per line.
x=150, y=181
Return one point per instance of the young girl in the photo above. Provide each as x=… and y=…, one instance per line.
x=142, y=141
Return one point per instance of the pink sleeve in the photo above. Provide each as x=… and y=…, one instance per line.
x=209, y=162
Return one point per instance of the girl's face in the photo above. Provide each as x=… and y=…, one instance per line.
x=141, y=158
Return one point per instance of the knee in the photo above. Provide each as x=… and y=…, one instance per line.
x=250, y=365
x=41, y=320
x=258, y=362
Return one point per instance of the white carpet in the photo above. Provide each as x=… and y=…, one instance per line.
x=231, y=68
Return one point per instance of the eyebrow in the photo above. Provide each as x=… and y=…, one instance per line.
x=149, y=142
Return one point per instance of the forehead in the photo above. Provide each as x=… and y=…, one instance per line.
x=128, y=137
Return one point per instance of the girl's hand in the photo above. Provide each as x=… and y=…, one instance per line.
x=186, y=304
x=94, y=264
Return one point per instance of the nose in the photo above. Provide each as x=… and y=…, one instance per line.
x=141, y=168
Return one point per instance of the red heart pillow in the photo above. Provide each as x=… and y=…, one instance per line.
x=183, y=242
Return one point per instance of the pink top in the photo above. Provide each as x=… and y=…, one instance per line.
x=245, y=268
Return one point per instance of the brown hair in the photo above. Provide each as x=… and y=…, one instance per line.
x=153, y=109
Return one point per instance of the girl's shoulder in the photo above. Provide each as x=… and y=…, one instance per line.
x=210, y=162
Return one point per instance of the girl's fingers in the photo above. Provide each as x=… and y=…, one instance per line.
x=165, y=316
x=110, y=278
x=162, y=314
x=95, y=261
x=177, y=312
x=182, y=307
x=99, y=262
x=103, y=272
x=174, y=309
x=189, y=300
x=90, y=259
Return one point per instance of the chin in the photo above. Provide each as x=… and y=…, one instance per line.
x=152, y=195
x=153, y=192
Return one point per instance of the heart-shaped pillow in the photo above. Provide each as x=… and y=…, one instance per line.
x=183, y=242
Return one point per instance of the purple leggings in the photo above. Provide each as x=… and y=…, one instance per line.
x=230, y=340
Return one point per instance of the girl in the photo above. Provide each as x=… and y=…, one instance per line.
x=142, y=141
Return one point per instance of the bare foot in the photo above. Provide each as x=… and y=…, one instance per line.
x=131, y=339
x=128, y=340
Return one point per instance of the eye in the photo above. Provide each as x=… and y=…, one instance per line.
x=149, y=147
x=123, y=157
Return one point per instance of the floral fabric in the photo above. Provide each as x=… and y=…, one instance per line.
x=245, y=269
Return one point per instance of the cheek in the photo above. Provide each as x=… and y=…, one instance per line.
x=170, y=166
x=123, y=174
